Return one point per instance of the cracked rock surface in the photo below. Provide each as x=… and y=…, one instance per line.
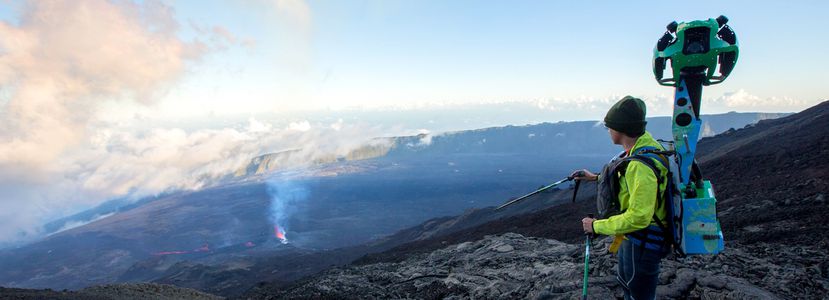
x=512, y=266
x=138, y=291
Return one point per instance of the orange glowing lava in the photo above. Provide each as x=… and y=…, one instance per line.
x=279, y=233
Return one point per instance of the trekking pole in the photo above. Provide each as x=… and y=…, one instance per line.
x=578, y=183
x=588, y=238
x=511, y=202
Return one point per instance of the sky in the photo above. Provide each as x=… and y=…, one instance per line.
x=102, y=99
x=376, y=54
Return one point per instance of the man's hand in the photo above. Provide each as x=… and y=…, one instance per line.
x=584, y=175
x=587, y=224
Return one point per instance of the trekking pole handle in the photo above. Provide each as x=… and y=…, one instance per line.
x=591, y=234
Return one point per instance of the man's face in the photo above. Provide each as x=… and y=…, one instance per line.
x=615, y=136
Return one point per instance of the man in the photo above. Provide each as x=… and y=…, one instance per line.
x=637, y=226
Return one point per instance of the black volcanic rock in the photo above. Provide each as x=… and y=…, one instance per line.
x=139, y=291
x=770, y=179
x=512, y=266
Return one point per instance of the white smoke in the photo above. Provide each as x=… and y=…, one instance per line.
x=285, y=195
x=74, y=224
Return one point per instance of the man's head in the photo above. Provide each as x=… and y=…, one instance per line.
x=626, y=117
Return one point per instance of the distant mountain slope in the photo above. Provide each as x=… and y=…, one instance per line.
x=560, y=139
x=771, y=179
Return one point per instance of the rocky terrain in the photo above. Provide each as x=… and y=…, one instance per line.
x=512, y=266
x=139, y=291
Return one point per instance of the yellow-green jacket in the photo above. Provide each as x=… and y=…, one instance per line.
x=637, y=195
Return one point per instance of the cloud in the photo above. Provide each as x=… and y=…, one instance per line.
x=744, y=101
x=425, y=140
x=657, y=105
x=59, y=62
x=65, y=56
x=337, y=125
x=147, y=162
x=122, y=161
x=299, y=126
x=296, y=11
x=225, y=34
x=296, y=27
x=580, y=103
x=662, y=104
x=256, y=126
x=220, y=38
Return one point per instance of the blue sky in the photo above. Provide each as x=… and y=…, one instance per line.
x=395, y=53
x=392, y=54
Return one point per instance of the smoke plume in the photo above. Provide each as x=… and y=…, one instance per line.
x=286, y=195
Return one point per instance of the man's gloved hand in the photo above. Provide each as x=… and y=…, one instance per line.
x=587, y=224
x=584, y=175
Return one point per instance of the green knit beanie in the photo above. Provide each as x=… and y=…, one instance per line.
x=627, y=116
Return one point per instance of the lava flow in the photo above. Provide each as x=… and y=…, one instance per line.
x=280, y=234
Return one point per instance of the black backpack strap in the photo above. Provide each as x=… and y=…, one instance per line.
x=655, y=153
x=651, y=165
x=662, y=157
x=646, y=160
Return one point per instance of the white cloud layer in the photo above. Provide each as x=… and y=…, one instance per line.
x=64, y=60
x=57, y=63
x=64, y=56
x=742, y=100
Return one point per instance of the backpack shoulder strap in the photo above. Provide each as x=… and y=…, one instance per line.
x=660, y=197
x=646, y=161
x=647, y=155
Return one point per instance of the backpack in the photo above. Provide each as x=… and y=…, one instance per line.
x=681, y=213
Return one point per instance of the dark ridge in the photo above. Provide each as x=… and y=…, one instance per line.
x=559, y=222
